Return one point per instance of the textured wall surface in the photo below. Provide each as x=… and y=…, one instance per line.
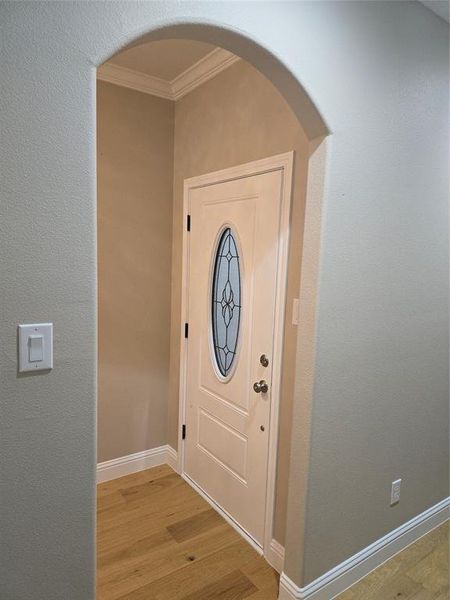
x=134, y=205
x=378, y=72
x=380, y=409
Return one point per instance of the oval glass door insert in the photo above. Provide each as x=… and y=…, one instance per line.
x=226, y=302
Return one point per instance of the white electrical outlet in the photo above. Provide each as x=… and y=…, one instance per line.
x=395, y=491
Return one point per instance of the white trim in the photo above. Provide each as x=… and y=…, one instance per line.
x=275, y=555
x=343, y=576
x=135, y=80
x=132, y=463
x=283, y=162
x=207, y=67
x=257, y=167
x=172, y=459
x=253, y=543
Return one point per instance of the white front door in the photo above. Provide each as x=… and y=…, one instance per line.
x=233, y=279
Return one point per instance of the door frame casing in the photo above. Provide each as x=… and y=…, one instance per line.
x=280, y=162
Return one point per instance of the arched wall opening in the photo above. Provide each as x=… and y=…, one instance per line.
x=316, y=131
x=254, y=52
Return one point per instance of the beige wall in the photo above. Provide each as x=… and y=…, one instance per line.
x=235, y=118
x=135, y=167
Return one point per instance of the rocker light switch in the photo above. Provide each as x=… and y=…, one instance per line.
x=36, y=347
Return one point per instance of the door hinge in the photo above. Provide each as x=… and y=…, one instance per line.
x=186, y=330
x=188, y=223
x=183, y=432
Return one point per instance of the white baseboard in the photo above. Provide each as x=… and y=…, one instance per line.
x=275, y=555
x=125, y=465
x=172, y=459
x=340, y=578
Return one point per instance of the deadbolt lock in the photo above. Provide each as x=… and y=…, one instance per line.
x=264, y=360
x=261, y=387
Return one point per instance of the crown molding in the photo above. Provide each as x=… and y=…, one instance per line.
x=135, y=80
x=207, y=67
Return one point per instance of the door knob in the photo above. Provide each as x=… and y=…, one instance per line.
x=261, y=387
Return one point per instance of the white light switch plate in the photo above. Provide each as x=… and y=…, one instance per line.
x=35, y=347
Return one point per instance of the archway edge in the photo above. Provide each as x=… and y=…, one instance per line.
x=240, y=43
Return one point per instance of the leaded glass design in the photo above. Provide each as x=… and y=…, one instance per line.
x=226, y=302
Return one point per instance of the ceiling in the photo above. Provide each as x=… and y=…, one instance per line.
x=165, y=59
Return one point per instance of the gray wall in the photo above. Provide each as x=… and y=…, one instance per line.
x=378, y=72
x=381, y=400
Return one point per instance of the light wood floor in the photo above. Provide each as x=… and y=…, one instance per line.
x=159, y=540
x=421, y=572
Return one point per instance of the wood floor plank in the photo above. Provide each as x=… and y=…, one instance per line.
x=265, y=594
x=133, y=551
x=110, y=500
x=233, y=586
x=151, y=488
x=122, y=535
x=420, y=572
x=396, y=588
x=432, y=571
x=163, y=502
x=123, y=578
x=193, y=526
x=105, y=488
x=261, y=574
x=195, y=576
